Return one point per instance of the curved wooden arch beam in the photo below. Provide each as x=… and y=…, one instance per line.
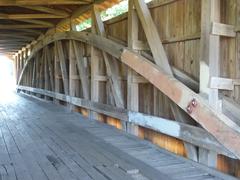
x=102, y=43
x=220, y=126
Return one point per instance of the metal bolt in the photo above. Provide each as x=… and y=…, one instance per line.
x=194, y=102
x=189, y=109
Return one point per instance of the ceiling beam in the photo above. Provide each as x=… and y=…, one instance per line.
x=43, y=2
x=10, y=47
x=7, y=36
x=31, y=16
x=32, y=31
x=10, y=33
x=23, y=26
x=6, y=40
x=33, y=21
x=11, y=43
x=47, y=10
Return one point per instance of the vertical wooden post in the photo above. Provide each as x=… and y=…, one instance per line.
x=21, y=61
x=72, y=73
x=209, y=65
x=94, y=72
x=111, y=65
x=81, y=69
x=161, y=60
x=34, y=74
x=50, y=69
x=22, y=65
x=57, y=72
x=132, y=87
x=46, y=74
x=72, y=67
x=38, y=67
x=19, y=64
x=237, y=89
x=17, y=67
x=63, y=67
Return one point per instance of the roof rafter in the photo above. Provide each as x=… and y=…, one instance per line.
x=31, y=16
x=23, y=26
x=33, y=21
x=47, y=10
x=43, y=2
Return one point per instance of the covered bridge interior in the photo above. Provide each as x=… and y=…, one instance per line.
x=150, y=94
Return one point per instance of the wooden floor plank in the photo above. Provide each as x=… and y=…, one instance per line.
x=40, y=140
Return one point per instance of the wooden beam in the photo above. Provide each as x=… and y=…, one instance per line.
x=178, y=74
x=47, y=10
x=95, y=62
x=189, y=101
x=24, y=26
x=182, y=131
x=191, y=134
x=81, y=69
x=231, y=109
x=110, y=64
x=151, y=33
x=223, y=30
x=132, y=87
x=13, y=40
x=33, y=84
x=236, y=66
x=42, y=2
x=50, y=68
x=11, y=44
x=223, y=83
x=73, y=83
x=57, y=72
x=30, y=31
x=30, y=16
x=46, y=74
x=221, y=127
x=160, y=58
x=33, y=21
x=209, y=64
x=63, y=66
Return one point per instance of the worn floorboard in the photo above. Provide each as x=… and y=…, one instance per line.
x=43, y=141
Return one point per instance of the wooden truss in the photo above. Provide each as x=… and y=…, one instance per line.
x=221, y=134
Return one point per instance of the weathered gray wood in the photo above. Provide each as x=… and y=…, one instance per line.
x=111, y=65
x=131, y=59
x=190, y=134
x=160, y=58
x=56, y=71
x=72, y=72
x=61, y=139
x=81, y=69
x=209, y=63
x=223, y=83
x=177, y=92
x=34, y=74
x=231, y=109
x=132, y=87
x=223, y=29
x=64, y=71
x=95, y=62
x=50, y=68
x=41, y=74
x=46, y=73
